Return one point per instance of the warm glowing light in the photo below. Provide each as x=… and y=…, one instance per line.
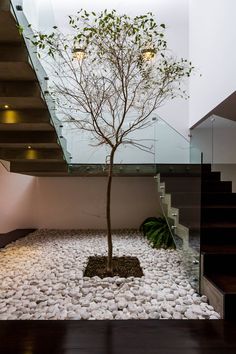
x=6, y=106
x=78, y=53
x=10, y=117
x=28, y=351
x=148, y=54
x=31, y=154
x=29, y=147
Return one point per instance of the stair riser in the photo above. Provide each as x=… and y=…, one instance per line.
x=177, y=184
x=218, y=236
x=27, y=137
x=206, y=168
x=219, y=199
x=191, y=185
x=189, y=216
x=185, y=199
x=219, y=187
x=31, y=154
x=13, y=53
x=213, y=263
x=219, y=215
x=24, y=116
x=8, y=30
x=230, y=307
x=19, y=89
x=214, y=176
x=25, y=167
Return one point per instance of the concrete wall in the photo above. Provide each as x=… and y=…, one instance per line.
x=73, y=202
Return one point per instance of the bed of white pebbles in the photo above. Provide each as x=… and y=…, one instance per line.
x=41, y=277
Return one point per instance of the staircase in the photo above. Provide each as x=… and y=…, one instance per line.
x=182, y=183
x=180, y=189
x=218, y=243
x=28, y=139
x=218, y=230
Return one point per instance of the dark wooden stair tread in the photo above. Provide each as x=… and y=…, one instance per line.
x=224, y=225
x=210, y=206
x=219, y=206
x=224, y=281
x=219, y=249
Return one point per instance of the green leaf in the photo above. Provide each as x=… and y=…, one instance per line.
x=157, y=232
x=20, y=29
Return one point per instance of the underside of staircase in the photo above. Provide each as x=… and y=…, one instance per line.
x=28, y=139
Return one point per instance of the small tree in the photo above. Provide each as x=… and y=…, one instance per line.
x=110, y=68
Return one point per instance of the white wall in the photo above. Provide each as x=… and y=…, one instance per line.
x=212, y=50
x=79, y=202
x=74, y=202
x=17, y=201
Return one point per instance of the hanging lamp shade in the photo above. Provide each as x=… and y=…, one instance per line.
x=78, y=53
x=148, y=53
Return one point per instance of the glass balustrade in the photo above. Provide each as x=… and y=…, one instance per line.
x=159, y=142
x=179, y=195
x=163, y=145
x=216, y=138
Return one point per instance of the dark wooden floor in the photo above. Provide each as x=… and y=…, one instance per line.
x=118, y=337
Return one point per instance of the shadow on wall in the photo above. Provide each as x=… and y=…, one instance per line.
x=16, y=201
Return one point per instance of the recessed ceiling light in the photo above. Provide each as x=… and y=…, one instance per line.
x=6, y=106
x=29, y=147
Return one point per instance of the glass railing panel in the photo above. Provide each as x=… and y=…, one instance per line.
x=39, y=13
x=223, y=141
x=84, y=149
x=195, y=155
x=216, y=138
x=159, y=143
x=170, y=145
x=202, y=139
x=180, y=199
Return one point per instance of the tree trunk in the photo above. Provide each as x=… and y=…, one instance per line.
x=108, y=214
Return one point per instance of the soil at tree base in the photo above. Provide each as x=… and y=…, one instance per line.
x=123, y=267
